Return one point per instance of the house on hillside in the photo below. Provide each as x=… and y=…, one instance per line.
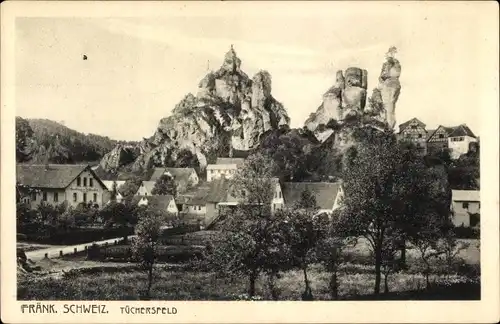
x=185, y=178
x=328, y=194
x=165, y=203
x=224, y=167
x=57, y=183
x=459, y=141
x=413, y=131
x=456, y=138
x=465, y=207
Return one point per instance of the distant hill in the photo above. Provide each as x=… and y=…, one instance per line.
x=47, y=141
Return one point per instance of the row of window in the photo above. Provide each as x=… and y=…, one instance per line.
x=457, y=139
x=465, y=205
x=56, y=197
x=79, y=182
x=222, y=171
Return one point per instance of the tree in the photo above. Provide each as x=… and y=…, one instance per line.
x=186, y=159
x=145, y=244
x=385, y=189
x=130, y=187
x=304, y=233
x=307, y=200
x=165, y=185
x=24, y=132
x=253, y=239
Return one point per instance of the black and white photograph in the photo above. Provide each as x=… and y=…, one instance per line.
x=253, y=153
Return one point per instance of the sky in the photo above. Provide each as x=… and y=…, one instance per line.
x=139, y=67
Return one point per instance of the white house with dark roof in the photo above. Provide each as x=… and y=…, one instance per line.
x=57, y=183
x=109, y=185
x=328, y=195
x=146, y=188
x=165, y=203
x=224, y=167
x=185, y=178
x=459, y=141
x=465, y=207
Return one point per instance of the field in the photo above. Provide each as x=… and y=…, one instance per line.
x=89, y=280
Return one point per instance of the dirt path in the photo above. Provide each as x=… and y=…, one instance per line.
x=55, y=252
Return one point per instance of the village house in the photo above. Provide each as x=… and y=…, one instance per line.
x=208, y=202
x=184, y=178
x=459, y=141
x=413, y=131
x=58, y=183
x=109, y=185
x=328, y=194
x=465, y=207
x=165, y=203
x=456, y=138
x=224, y=167
x=146, y=188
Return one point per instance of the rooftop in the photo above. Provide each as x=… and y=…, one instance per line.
x=324, y=192
x=51, y=175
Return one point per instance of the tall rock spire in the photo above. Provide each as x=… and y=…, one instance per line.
x=389, y=85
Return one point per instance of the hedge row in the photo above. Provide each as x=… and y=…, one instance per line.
x=467, y=232
x=57, y=236
x=123, y=253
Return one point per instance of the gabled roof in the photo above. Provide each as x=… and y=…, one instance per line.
x=237, y=161
x=57, y=176
x=181, y=175
x=465, y=195
x=149, y=185
x=324, y=192
x=109, y=183
x=461, y=130
x=403, y=126
x=156, y=201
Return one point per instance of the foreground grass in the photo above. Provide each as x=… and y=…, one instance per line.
x=178, y=284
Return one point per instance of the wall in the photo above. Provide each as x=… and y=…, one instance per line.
x=80, y=190
x=461, y=214
x=61, y=197
x=217, y=173
x=278, y=202
x=459, y=145
x=438, y=141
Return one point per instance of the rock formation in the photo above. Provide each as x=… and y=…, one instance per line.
x=347, y=100
x=229, y=111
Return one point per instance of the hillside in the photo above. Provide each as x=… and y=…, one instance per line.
x=47, y=141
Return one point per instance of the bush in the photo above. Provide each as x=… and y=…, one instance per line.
x=54, y=235
x=467, y=232
x=123, y=253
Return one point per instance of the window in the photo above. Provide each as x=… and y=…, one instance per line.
x=91, y=182
x=95, y=197
x=279, y=194
x=75, y=197
x=413, y=126
x=441, y=136
x=56, y=197
x=33, y=196
x=44, y=196
x=465, y=205
x=84, y=182
x=419, y=135
x=78, y=181
x=84, y=197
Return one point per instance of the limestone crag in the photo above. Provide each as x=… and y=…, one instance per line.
x=119, y=156
x=229, y=111
x=347, y=100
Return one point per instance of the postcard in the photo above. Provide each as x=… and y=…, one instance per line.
x=249, y=162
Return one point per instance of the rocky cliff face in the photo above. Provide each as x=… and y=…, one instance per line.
x=347, y=100
x=230, y=111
